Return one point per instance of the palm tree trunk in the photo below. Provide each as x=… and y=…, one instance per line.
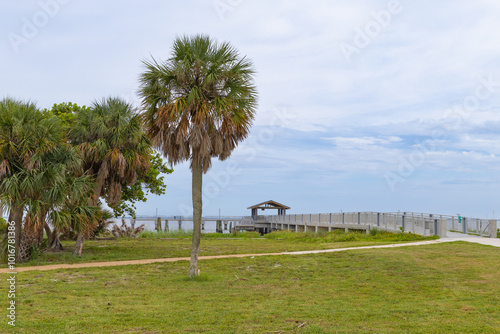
x=54, y=242
x=28, y=239
x=48, y=232
x=16, y=215
x=32, y=236
x=197, y=173
x=41, y=225
x=80, y=239
x=79, y=244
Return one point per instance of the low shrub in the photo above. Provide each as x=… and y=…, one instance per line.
x=3, y=226
x=238, y=235
x=164, y=234
x=339, y=235
x=178, y=234
x=374, y=232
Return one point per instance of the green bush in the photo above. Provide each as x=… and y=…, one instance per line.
x=239, y=235
x=189, y=234
x=3, y=226
x=339, y=235
x=322, y=236
x=345, y=237
x=3, y=252
x=36, y=251
x=164, y=234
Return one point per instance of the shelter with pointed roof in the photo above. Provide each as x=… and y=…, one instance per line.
x=268, y=205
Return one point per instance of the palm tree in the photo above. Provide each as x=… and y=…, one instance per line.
x=27, y=137
x=75, y=213
x=115, y=149
x=197, y=105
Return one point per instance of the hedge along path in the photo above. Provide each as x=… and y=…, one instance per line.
x=212, y=257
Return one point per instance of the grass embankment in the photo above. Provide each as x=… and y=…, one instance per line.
x=443, y=288
x=151, y=245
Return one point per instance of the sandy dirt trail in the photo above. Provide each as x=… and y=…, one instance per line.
x=485, y=241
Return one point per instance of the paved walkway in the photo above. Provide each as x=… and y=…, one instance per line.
x=451, y=237
x=454, y=236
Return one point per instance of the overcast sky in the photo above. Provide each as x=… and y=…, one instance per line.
x=363, y=105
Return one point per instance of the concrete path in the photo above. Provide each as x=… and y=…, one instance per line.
x=454, y=236
x=451, y=237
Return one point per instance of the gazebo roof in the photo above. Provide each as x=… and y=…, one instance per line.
x=269, y=205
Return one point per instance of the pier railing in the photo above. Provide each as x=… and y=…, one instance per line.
x=414, y=222
x=419, y=223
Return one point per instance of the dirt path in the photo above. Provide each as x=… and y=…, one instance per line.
x=175, y=259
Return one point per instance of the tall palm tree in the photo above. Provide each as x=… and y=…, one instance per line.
x=115, y=149
x=197, y=105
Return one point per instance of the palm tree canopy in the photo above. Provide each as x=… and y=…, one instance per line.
x=114, y=147
x=27, y=138
x=200, y=102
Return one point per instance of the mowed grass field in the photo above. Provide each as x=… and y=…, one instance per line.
x=168, y=245
x=441, y=288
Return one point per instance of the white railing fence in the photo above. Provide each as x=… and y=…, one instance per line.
x=419, y=223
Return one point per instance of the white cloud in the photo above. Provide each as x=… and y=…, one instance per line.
x=350, y=142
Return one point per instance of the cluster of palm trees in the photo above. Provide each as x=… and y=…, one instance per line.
x=196, y=105
x=53, y=171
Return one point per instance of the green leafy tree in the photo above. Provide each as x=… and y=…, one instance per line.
x=151, y=183
x=66, y=111
x=198, y=104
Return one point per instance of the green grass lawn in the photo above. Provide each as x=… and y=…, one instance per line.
x=442, y=288
x=154, y=245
